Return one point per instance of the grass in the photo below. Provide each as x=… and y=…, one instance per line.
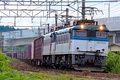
x=6, y=73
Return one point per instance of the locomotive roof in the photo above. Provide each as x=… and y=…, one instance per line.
x=88, y=27
x=63, y=30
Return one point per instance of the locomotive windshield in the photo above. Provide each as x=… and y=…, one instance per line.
x=100, y=34
x=89, y=33
x=81, y=33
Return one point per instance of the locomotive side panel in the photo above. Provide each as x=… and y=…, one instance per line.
x=62, y=44
x=47, y=44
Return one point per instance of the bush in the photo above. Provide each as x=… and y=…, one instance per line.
x=113, y=63
x=4, y=62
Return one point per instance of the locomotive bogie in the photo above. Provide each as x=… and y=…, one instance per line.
x=88, y=60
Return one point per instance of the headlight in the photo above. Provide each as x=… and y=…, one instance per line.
x=102, y=27
x=82, y=26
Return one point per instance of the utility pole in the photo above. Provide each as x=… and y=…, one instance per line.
x=56, y=18
x=109, y=10
x=92, y=13
x=14, y=21
x=67, y=16
x=48, y=28
x=83, y=9
x=39, y=34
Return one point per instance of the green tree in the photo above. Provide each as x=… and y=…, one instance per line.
x=113, y=63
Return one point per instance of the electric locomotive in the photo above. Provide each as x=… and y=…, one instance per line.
x=83, y=46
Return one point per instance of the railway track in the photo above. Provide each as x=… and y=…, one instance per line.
x=21, y=66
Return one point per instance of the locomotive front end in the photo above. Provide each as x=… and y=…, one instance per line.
x=89, y=46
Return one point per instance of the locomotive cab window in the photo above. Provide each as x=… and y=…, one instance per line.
x=81, y=33
x=101, y=34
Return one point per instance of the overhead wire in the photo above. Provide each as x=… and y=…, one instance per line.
x=111, y=7
x=52, y=0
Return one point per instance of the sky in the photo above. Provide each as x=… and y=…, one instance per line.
x=114, y=8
